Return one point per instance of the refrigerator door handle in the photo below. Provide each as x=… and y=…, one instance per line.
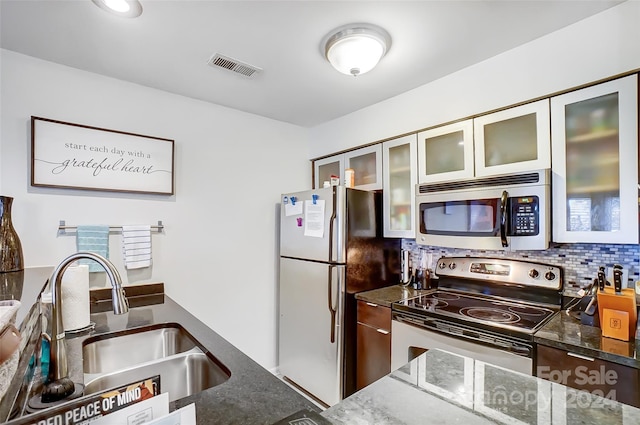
x=332, y=221
x=332, y=310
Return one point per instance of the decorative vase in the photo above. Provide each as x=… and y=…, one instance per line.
x=11, y=259
x=11, y=284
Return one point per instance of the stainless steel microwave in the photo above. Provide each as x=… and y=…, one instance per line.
x=505, y=212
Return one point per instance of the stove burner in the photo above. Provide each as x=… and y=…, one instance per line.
x=490, y=314
x=445, y=296
x=429, y=303
x=528, y=311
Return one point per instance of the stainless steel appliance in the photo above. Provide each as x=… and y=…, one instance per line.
x=331, y=247
x=509, y=212
x=486, y=309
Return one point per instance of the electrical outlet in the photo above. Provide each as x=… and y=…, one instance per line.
x=625, y=276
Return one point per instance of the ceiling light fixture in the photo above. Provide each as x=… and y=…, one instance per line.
x=124, y=8
x=356, y=48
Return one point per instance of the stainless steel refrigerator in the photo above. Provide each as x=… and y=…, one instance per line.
x=331, y=247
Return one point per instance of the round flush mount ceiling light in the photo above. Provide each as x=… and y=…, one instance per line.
x=356, y=48
x=124, y=8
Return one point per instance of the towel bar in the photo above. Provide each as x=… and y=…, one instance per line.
x=63, y=227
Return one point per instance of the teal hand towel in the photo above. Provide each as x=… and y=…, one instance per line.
x=93, y=239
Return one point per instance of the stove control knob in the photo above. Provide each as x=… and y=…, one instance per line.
x=452, y=266
x=442, y=265
x=533, y=273
x=550, y=275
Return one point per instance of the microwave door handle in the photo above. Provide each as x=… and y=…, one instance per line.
x=503, y=218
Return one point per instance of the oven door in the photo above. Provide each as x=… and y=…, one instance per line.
x=507, y=218
x=509, y=398
x=409, y=339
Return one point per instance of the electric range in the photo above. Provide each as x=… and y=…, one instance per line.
x=491, y=305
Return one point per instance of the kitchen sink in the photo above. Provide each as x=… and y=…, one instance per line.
x=167, y=350
x=181, y=375
x=118, y=350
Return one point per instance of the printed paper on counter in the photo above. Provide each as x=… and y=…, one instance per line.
x=139, y=413
x=182, y=416
x=292, y=209
x=102, y=408
x=314, y=218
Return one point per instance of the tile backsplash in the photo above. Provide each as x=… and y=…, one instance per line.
x=580, y=262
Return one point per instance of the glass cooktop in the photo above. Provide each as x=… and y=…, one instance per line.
x=479, y=309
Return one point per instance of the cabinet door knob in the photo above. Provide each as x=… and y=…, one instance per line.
x=383, y=332
x=372, y=304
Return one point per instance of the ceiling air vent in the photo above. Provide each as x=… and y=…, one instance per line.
x=221, y=61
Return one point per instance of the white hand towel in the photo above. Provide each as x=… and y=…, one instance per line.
x=136, y=246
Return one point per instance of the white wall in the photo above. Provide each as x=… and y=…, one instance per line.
x=593, y=49
x=218, y=254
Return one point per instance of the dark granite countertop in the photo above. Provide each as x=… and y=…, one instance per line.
x=566, y=333
x=444, y=388
x=252, y=395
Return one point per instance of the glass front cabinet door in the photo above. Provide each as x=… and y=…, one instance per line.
x=367, y=166
x=595, y=163
x=446, y=152
x=513, y=140
x=327, y=167
x=365, y=162
x=399, y=162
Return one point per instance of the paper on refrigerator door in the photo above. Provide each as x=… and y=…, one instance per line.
x=314, y=218
x=293, y=209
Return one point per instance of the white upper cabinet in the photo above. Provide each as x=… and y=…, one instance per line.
x=508, y=141
x=595, y=163
x=366, y=163
x=446, y=152
x=513, y=140
x=399, y=164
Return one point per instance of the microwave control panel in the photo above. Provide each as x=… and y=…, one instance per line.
x=525, y=216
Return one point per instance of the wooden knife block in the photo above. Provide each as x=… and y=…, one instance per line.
x=621, y=311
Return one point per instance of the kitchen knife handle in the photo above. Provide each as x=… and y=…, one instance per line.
x=617, y=278
x=503, y=218
x=601, y=278
x=332, y=311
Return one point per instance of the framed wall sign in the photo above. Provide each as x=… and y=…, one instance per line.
x=66, y=155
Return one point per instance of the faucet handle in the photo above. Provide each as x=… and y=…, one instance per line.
x=119, y=300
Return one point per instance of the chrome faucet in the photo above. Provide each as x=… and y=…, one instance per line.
x=58, y=385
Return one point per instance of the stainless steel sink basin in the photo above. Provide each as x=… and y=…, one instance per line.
x=168, y=350
x=181, y=375
x=115, y=351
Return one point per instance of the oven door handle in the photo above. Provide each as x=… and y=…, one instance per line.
x=410, y=321
x=503, y=218
x=518, y=348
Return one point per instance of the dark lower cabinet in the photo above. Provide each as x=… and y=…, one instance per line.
x=373, y=343
x=600, y=377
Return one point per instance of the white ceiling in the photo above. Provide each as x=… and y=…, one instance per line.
x=168, y=46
